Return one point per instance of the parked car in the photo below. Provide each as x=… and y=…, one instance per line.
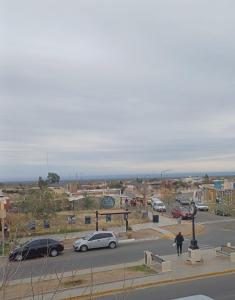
x=201, y=206
x=181, y=212
x=159, y=206
x=185, y=201
x=97, y=239
x=155, y=201
x=178, y=198
x=36, y=248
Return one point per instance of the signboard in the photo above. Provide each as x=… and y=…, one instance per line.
x=218, y=184
x=87, y=220
x=107, y=202
x=108, y=218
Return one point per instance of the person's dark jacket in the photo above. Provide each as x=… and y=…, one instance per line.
x=179, y=239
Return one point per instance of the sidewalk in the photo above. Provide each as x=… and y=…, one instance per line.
x=181, y=270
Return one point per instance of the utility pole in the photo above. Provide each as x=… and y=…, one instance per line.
x=3, y=216
x=163, y=188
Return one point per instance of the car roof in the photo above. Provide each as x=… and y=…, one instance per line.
x=102, y=231
x=181, y=207
x=42, y=239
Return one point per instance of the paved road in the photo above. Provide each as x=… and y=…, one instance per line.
x=215, y=234
x=201, y=216
x=71, y=260
x=205, y=217
x=218, y=288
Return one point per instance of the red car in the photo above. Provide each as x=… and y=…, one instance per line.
x=181, y=212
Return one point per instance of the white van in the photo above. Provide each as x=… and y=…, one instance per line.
x=159, y=206
x=155, y=200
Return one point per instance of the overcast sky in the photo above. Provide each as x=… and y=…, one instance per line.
x=116, y=87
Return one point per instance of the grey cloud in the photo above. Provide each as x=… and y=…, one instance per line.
x=120, y=81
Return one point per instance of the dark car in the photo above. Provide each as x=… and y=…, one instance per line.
x=178, y=198
x=36, y=248
x=181, y=212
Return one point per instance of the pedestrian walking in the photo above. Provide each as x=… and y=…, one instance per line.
x=179, y=243
x=126, y=203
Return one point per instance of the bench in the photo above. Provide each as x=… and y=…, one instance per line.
x=157, y=258
x=154, y=260
x=227, y=250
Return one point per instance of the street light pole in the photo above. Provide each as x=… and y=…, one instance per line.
x=193, y=244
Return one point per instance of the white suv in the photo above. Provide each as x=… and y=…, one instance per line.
x=201, y=206
x=97, y=239
x=159, y=207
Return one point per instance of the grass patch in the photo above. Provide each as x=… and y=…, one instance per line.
x=73, y=282
x=142, y=268
x=7, y=249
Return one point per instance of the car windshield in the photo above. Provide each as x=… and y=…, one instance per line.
x=160, y=204
x=184, y=209
x=24, y=244
x=87, y=237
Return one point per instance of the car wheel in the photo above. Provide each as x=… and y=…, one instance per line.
x=83, y=248
x=19, y=257
x=53, y=253
x=112, y=245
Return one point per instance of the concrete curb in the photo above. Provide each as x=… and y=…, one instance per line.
x=127, y=241
x=138, y=240
x=150, y=284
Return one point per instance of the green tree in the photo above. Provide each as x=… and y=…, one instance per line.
x=115, y=184
x=88, y=201
x=206, y=179
x=139, y=180
x=41, y=183
x=53, y=178
x=40, y=203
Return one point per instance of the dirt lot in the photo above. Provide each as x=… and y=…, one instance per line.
x=59, y=223
x=21, y=291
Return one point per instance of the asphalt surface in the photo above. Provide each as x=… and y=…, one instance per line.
x=214, y=235
x=218, y=288
x=71, y=260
